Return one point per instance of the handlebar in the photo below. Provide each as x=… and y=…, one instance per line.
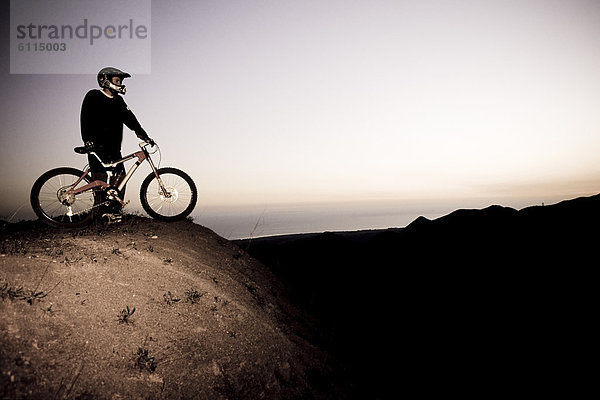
x=145, y=144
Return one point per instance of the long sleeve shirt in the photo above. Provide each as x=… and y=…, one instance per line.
x=102, y=120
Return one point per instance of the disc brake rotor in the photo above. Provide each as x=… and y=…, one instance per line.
x=172, y=194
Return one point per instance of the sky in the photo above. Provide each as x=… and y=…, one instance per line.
x=266, y=103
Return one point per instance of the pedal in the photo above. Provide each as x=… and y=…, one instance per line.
x=113, y=195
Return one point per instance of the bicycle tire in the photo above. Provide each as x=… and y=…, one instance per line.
x=180, y=203
x=47, y=204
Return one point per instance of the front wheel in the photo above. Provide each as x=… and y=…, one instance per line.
x=55, y=206
x=175, y=199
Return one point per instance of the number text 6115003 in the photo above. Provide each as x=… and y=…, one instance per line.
x=34, y=46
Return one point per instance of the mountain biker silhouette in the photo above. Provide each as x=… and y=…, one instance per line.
x=103, y=113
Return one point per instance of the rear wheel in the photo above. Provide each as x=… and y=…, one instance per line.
x=54, y=206
x=178, y=199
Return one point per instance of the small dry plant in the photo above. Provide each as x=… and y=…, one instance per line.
x=125, y=315
x=142, y=360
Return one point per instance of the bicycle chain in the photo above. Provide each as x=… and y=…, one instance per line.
x=91, y=208
x=106, y=203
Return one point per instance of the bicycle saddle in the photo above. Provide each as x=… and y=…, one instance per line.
x=84, y=149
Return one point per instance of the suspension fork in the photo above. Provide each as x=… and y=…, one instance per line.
x=161, y=185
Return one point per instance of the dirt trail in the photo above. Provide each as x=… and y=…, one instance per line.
x=209, y=321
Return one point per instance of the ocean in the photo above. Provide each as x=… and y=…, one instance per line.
x=257, y=221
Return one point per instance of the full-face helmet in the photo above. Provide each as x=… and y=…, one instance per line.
x=105, y=79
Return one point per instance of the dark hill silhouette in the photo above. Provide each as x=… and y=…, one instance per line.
x=495, y=297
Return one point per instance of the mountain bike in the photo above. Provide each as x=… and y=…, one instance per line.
x=68, y=197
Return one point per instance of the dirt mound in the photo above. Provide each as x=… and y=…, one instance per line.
x=144, y=309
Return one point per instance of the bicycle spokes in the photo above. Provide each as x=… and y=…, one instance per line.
x=172, y=196
x=53, y=200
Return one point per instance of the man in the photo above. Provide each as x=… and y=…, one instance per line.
x=103, y=114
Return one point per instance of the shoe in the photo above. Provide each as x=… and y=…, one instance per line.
x=112, y=218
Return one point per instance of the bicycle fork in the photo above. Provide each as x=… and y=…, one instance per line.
x=154, y=170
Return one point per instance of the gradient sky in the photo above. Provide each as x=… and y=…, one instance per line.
x=268, y=102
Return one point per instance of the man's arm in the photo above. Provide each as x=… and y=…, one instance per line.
x=130, y=121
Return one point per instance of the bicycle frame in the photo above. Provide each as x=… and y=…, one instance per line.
x=140, y=155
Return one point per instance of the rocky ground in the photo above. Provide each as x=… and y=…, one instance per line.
x=150, y=310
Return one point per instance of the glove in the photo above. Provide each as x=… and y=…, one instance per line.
x=144, y=136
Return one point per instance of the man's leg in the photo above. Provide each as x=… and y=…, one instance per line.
x=120, y=175
x=98, y=174
x=108, y=211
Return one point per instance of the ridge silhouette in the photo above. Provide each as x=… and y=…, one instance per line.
x=496, y=295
